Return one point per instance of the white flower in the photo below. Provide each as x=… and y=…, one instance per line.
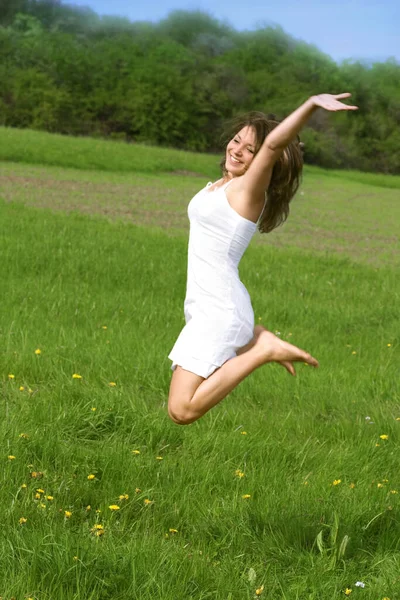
x=367, y=418
x=359, y=584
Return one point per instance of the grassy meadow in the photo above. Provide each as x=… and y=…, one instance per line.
x=287, y=490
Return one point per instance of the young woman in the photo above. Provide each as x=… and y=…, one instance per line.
x=219, y=346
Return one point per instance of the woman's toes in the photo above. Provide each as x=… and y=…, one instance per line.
x=288, y=366
x=310, y=360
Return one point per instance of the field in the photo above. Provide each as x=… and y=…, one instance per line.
x=289, y=489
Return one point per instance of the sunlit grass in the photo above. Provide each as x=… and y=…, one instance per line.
x=289, y=489
x=103, y=301
x=42, y=148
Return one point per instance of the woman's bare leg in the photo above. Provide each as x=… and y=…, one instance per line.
x=191, y=396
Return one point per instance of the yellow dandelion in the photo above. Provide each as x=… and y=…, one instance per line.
x=49, y=498
x=22, y=520
x=394, y=492
x=24, y=436
x=41, y=505
x=38, y=351
x=37, y=496
x=30, y=390
x=135, y=451
x=114, y=507
x=384, y=436
x=23, y=486
x=389, y=345
x=259, y=590
x=138, y=490
x=40, y=490
x=385, y=480
x=21, y=388
x=11, y=376
x=112, y=384
x=171, y=530
x=88, y=507
x=67, y=514
x=243, y=432
x=354, y=352
x=36, y=474
x=239, y=473
x=377, y=445
x=123, y=497
x=306, y=483
x=159, y=458
x=76, y=558
x=91, y=477
x=76, y=376
x=380, y=485
x=99, y=532
x=348, y=591
x=98, y=511
x=11, y=457
x=93, y=409
x=336, y=482
x=147, y=501
x=352, y=486
x=246, y=496
x=104, y=327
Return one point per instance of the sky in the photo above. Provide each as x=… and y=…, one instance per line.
x=344, y=29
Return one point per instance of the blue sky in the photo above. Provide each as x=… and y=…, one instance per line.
x=358, y=29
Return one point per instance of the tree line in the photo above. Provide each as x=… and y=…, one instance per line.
x=65, y=69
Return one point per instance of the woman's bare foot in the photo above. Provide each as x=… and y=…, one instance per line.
x=271, y=348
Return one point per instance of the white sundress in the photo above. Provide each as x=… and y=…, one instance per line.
x=218, y=312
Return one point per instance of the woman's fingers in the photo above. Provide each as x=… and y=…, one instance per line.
x=341, y=96
x=341, y=106
x=332, y=102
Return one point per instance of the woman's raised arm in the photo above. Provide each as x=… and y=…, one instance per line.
x=256, y=180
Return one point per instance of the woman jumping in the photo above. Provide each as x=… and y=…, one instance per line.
x=219, y=345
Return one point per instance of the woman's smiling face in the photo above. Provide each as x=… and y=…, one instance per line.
x=240, y=151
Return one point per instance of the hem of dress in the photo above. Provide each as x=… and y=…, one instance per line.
x=195, y=365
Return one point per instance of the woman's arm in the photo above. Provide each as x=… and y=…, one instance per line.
x=256, y=180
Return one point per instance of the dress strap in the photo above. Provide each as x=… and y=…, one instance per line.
x=262, y=212
x=226, y=184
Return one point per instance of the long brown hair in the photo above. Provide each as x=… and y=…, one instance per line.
x=286, y=174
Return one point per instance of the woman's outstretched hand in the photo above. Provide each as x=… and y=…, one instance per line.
x=331, y=102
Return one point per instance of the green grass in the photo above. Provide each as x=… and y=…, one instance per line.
x=102, y=298
x=34, y=147
x=328, y=216
x=41, y=148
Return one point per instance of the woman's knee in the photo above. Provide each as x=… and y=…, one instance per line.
x=184, y=385
x=180, y=414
